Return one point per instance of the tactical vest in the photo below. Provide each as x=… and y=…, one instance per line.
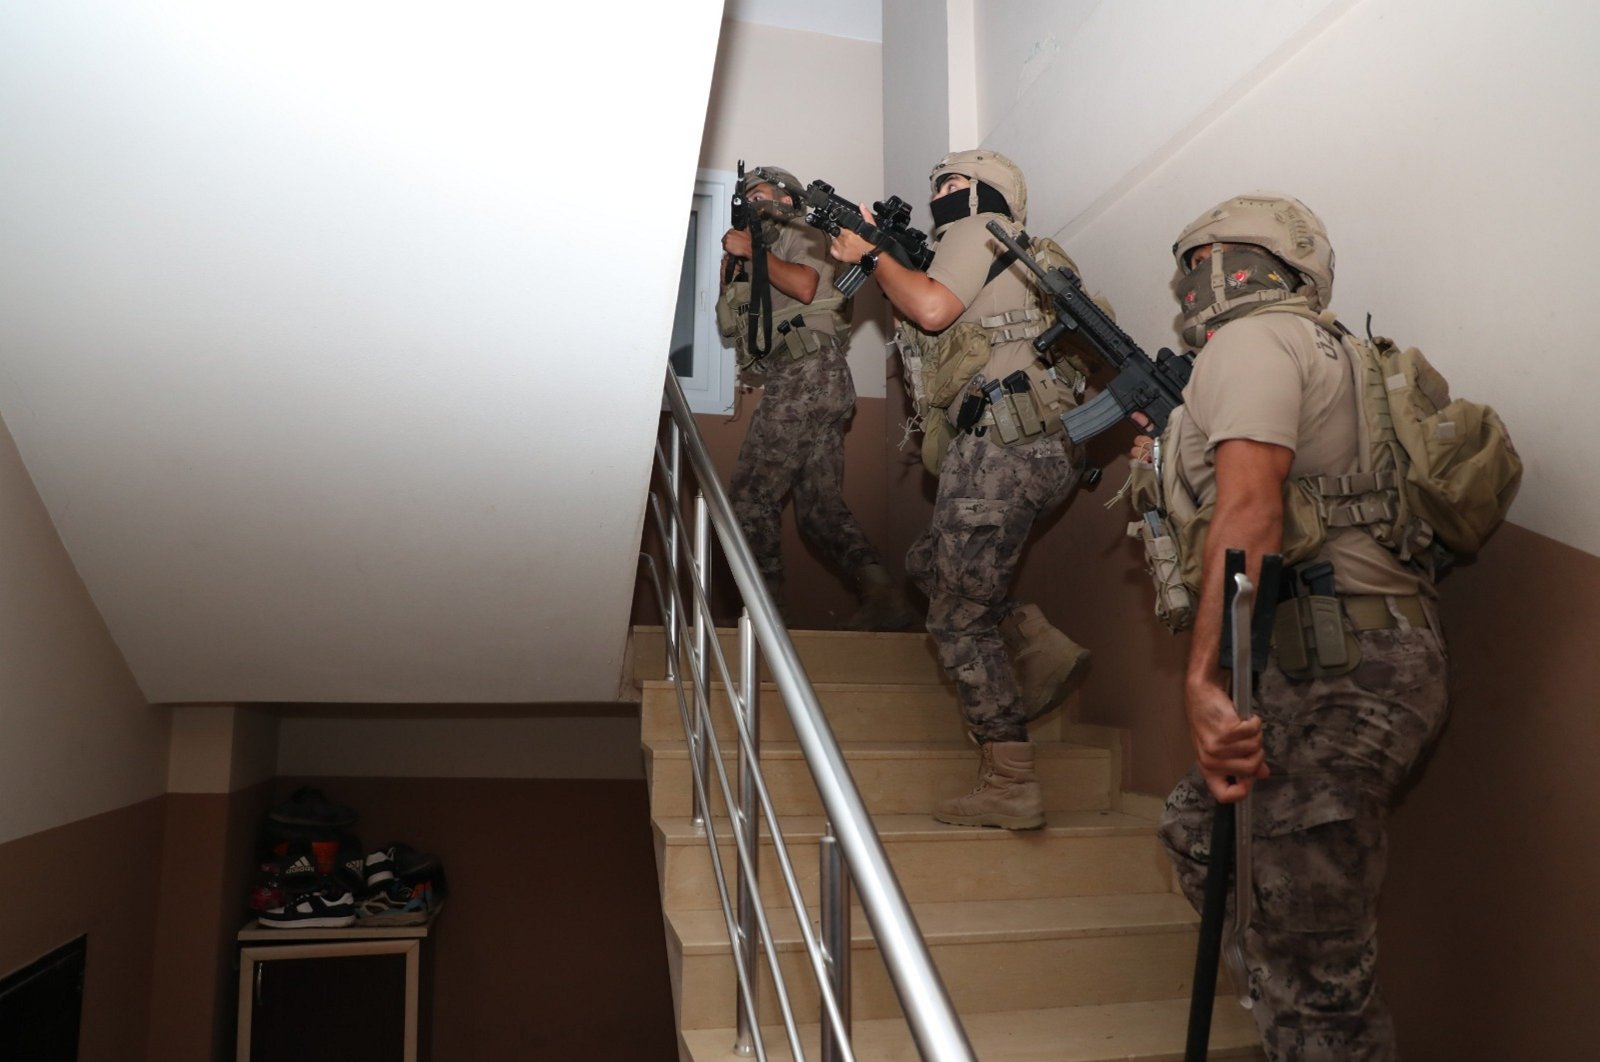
x=1434, y=477
x=938, y=370
x=797, y=332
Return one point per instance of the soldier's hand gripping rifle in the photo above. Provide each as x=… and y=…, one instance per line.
x=892, y=234
x=1154, y=388
x=738, y=218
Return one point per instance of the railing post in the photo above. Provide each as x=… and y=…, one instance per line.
x=749, y=824
x=675, y=496
x=833, y=876
x=700, y=571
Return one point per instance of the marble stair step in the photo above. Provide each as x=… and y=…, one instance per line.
x=1144, y=1031
x=1078, y=853
x=893, y=777
x=991, y=954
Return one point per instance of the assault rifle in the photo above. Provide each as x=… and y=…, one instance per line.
x=1154, y=388
x=738, y=218
x=758, y=337
x=892, y=233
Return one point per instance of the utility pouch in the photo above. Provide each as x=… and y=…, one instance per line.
x=970, y=412
x=937, y=434
x=1174, y=603
x=1003, y=409
x=1309, y=637
x=1028, y=416
x=731, y=308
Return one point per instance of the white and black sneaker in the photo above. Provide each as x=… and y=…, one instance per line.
x=313, y=910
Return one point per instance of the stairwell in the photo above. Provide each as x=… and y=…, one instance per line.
x=1066, y=943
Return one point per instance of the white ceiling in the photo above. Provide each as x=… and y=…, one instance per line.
x=318, y=338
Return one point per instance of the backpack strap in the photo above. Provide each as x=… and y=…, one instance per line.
x=1369, y=497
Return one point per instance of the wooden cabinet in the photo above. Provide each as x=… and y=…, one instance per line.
x=333, y=995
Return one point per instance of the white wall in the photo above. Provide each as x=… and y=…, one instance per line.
x=916, y=90
x=811, y=103
x=1450, y=152
x=76, y=738
x=333, y=333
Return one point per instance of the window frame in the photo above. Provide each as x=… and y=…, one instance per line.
x=709, y=387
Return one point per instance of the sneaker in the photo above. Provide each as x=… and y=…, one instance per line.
x=378, y=868
x=266, y=896
x=397, y=905
x=293, y=871
x=314, y=910
x=397, y=862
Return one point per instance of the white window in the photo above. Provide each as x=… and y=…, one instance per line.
x=705, y=367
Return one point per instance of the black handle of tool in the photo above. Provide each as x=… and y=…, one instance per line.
x=1214, y=906
x=1208, y=954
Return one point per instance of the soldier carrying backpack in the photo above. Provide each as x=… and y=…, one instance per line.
x=1348, y=457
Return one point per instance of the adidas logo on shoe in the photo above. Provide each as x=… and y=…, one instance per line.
x=312, y=911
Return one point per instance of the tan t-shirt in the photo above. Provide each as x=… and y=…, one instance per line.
x=1279, y=378
x=963, y=255
x=803, y=244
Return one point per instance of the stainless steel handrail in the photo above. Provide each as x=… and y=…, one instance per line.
x=932, y=1019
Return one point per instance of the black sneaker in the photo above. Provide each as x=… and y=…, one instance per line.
x=314, y=910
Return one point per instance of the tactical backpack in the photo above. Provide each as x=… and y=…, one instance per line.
x=1435, y=477
x=936, y=369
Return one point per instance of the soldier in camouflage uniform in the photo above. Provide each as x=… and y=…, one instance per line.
x=795, y=442
x=1271, y=400
x=990, y=493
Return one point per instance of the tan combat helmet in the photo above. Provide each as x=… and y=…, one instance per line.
x=1282, y=225
x=781, y=179
x=993, y=169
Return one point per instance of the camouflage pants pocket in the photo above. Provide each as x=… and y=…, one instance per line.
x=969, y=560
x=1319, y=856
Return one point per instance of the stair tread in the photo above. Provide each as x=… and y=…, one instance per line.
x=822, y=687
x=886, y=750
x=705, y=932
x=812, y=635
x=1146, y=1031
x=808, y=828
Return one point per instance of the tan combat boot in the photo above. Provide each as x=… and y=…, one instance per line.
x=1045, y=659
x=1007, y=794
x=883, y=604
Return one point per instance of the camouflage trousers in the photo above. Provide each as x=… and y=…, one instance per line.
x=1338, y=750
x=795, y=445
x=989, y=498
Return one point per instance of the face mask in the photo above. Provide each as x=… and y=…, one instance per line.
x=958, y=205
x=1226, y=285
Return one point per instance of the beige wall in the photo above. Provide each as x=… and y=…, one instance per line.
x=79, y=738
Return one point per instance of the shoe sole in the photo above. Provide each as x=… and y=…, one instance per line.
x=999, y=822
x=321, y=922
x=405, y=918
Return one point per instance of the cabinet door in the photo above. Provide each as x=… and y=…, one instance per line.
x=328, y=1003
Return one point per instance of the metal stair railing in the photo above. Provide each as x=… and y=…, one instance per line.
x=849, y=851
